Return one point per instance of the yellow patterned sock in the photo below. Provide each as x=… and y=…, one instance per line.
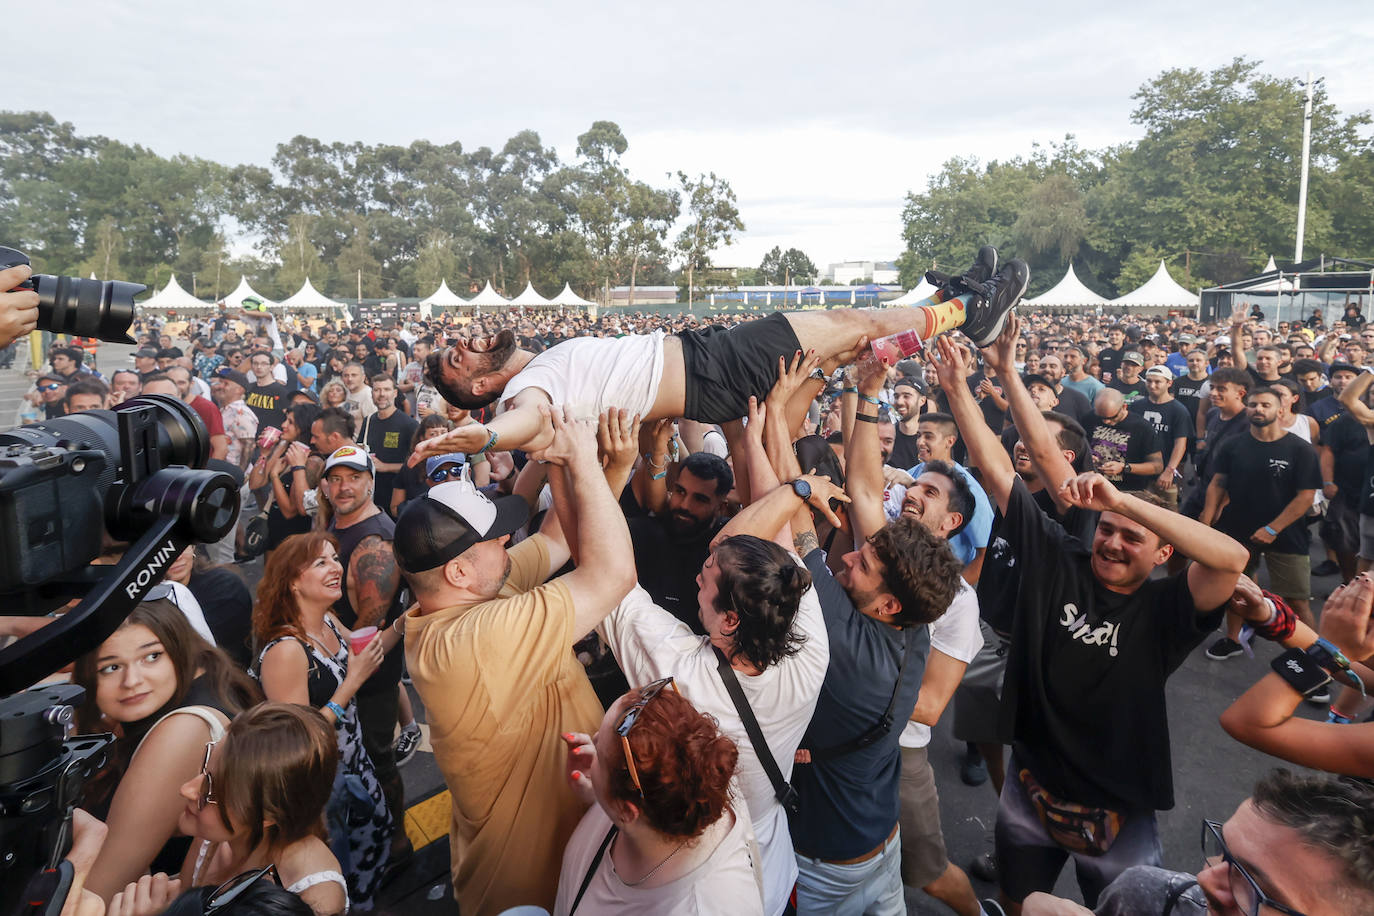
x=944, y=317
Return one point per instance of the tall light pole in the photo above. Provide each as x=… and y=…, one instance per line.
x=1306, y=155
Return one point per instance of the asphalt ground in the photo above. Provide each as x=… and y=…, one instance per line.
x=1212, y=773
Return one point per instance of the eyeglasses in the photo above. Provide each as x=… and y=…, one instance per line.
x=207, y=784
x=1248, y=896
x=236, y=886
x=631, y=716
x=448, y=472
x=52, y=387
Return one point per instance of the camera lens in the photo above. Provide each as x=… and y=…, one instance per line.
x=86, y=308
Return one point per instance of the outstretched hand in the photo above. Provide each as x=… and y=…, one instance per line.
x=1001, y=355
x=581, y=756
x=573, y=438
x=617, y=437
x=790, y=377
x=951, y=364
x=1345, y=621
x=466, y=439
x=758, y=415
x=822, y=491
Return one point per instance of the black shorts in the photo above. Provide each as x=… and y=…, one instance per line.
x=724, y=366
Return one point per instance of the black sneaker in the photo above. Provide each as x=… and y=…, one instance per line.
x=984, y=868
x=1224, y=648
x=972, y=280
x=988, y=311
x=1326, y=568
x=407, y=742
x=974, y=769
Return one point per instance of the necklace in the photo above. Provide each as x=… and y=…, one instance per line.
x=653, y=870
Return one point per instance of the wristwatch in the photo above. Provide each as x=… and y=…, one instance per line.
x=802, y=489
x=1300, y=671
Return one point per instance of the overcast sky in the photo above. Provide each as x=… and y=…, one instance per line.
x=821, y=116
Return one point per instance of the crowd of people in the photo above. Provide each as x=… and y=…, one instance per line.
x=683, y=599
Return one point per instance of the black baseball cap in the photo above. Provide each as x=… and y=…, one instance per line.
x=911, y=382
x=1341, y=367
x=233, y=375
x=1035, y=378
x=450, y=518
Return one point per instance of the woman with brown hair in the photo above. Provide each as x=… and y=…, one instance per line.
x=305, y=659
x=662, y=836
x=166, y=692
x=259, y=800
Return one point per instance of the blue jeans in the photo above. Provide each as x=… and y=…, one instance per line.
x=872, y=888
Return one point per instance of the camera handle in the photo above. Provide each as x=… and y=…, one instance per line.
x=100, y=612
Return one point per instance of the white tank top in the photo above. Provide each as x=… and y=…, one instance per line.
x=1301, y=428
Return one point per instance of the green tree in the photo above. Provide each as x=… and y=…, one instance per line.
x=300, y=259
x=713, y=219
x=355, y=267
x=780, y=267
x=436, y=261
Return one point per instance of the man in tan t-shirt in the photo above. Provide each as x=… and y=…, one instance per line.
x=490, y=651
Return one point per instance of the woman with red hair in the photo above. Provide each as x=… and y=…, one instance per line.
x=663, y=835
x=305, y=659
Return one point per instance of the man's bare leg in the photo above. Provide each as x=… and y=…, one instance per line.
x=836, y=330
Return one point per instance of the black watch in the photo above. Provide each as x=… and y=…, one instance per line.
x=802, y=489
x=1301, y=671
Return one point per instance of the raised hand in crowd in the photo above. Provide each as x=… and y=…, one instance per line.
x=581, y=758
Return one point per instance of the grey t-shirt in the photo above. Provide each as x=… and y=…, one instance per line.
x=1144, y=890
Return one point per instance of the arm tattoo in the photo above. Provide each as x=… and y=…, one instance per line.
x=805, y=542
x=373, y=580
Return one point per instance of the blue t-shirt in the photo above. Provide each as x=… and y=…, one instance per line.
x=1089, y=387
x=974, y=537
x=1177, y=363
x=308, y=371
x=850, y=803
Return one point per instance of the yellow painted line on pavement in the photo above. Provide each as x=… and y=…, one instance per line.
x=428, y=820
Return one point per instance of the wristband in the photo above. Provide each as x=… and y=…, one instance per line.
x=1337, y=718
x=490, y=442
x=659, y=476
x=1331, y=660
x=338, y=712
x=297, y=467
x=852, y=389
x=1272, y=532
x=866, y=418
x=867, y=400
x=1328, y=483
x=649, y=460
x=1300, y=672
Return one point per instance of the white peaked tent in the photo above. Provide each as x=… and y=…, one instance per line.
x=1161, y=290
x=307, y=297
x=919, y=293
x=172, y=296
x=488, y=298
x=530, y=298
x=1069, y=291
x=443, y=298
x=569, y=299
x=241, y=292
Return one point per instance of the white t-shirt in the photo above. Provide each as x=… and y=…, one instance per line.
x=727, y=882
x=957, y=635
x=591, y=374
x=189, y=606
x=651, y=643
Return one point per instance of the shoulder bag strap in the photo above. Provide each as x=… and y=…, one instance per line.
x=591, y=869
x=883, y=725
x=785, y=794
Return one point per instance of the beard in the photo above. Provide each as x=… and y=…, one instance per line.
x=685, y=527
x=1261, y=422
x=498, y=353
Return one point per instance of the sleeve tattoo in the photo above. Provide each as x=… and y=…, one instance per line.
x=373, y=580
x=805, y=542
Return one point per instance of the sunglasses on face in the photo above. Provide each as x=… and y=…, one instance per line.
x=631, y=716
x=52, y=387
x=207, y=782
x=1250, y=900
x=447, y=472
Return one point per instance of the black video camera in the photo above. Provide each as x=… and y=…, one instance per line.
x=136, y=474
x=85, y=308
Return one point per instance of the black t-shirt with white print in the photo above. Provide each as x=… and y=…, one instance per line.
x=1088, y=667
x=1261, y=479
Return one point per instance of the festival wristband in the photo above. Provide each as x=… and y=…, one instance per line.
x=297, y=467
x=337, y=710
x=866, y=399
x=852, y=389
x=659, y=476
x=490, y=443
x=865, y=418
x=1272, y=532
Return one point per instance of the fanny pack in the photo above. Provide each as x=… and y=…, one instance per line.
x=1078, y=828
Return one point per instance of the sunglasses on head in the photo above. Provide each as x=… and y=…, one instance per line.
x=631, y=716
x=236, y=886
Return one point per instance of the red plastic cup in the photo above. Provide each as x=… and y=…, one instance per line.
x=268, y=438
x=360, y=638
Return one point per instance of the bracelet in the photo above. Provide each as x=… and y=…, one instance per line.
x=865, y=418
x=852, y=389
x=1272, y=532
x=338, y=712
x=659, y=476
x=1337, y=718
x=1283, y=622
x=490, y=442
x=649, y=460
x=297, y=467
x=1328, y=483
x=867, y=400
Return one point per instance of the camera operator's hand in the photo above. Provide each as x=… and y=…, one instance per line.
x=88, y=835
x=18, y=308
x=148, y=896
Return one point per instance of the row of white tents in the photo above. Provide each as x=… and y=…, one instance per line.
x=173, y=297
x=1160, y=291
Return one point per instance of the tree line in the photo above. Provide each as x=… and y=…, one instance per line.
x=1211, y=188
x=393, y=220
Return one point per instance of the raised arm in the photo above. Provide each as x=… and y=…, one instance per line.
x=984, y=447
x=1045, y=454
x=1352, y=399
x=521, y=426
x=606, y=569
x=651, y=484
x=863, y=461
x=1218, y=561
